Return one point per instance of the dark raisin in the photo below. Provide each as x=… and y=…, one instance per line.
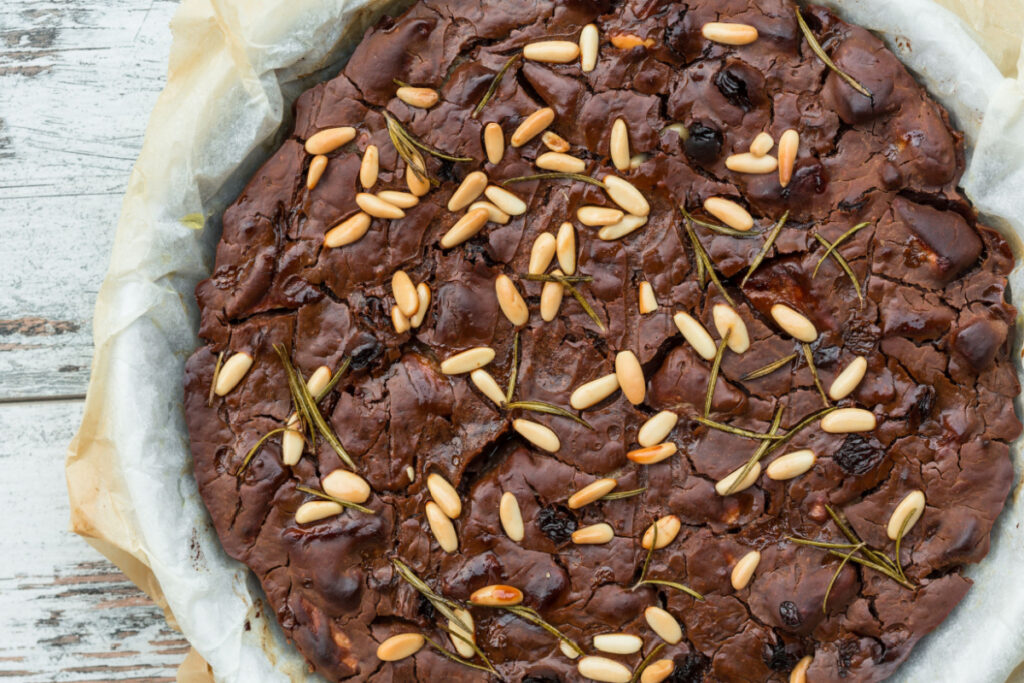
x=704, y=144
x=808, y=177
x=692, y=669
x=364, y=354
x=858, y=454
x=847, y=649
x=825, y=356
x=777, y=658
x=446, y=173
x=733, y=88
x=426, y=609
x=680, y=41
x=790, y=613
x=479, y=252
x=557, y=523
x=922, y=408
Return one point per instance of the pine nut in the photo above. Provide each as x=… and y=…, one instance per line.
x=623, y=193
x=540, y=436
x=638, y=160
x=511, y=517
x=318, y=381
x=743, y=572
x=554, y=141
x=595, y=534
x=696, y=335
x=348, y=231
x=399, y=647
x=794, y=323
x=848, y=380
x=799, y=673
x=656, y=429
x=668, y=528
x=762, y=144
x=505, y=200
x=232, y=372
x=621, y=228
x=658, y=671
x=445, y=495
x=729, y=33
x=598, y=215
x=511, y=301
x=411, y=473
x=591, y=493
x=316, y=170
x=664, y=625
x=618, y=643
x=906, y=514
x=631, y=377
x=292, y=445
x=791, y=465
x=405, y=294
x=563, y=163
x=423, y=294
x=590, y=41
x=494, y=142
x=488, y=386
x=347, y=486
x=565, y=247
x=471, y=187
x=329, y=139
x=552, y=51
x=603, y=669
x=424, y=98
x=650, y=455
x=551, y=295
x=750, y=163
x=724, y=485
x=532, y=125
x=729, y=212
x=315, y=510
x=417, y=185
x=627, y=41
x=467, y=361
x=541, y=254
x=566, y=650
x=442, y=528
x=789, y=145
x=401, y=323
x=461, y=646
x=403, y=200
x=647, y=302
x=728, y=320
x=619, y=145
x=496, y=595
x=369, y=167
x=377, y=207
x=846, y=420
x=494, y=214
x=467, y=226
x=593, y=392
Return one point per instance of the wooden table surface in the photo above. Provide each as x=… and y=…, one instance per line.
x=78, y=79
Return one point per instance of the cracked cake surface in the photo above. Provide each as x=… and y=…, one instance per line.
x=818, y=355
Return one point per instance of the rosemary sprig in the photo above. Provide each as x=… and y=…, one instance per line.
x=646, y=662
x=797, y=428
x=716, y=365
x=326, y=496
x=673, y=584
x=514, y=371
x=896, y=553
x=548, y=409
x=213, y=380
x=531, y=615
x=842, y=264
x=817, y=49
x=554, y=175
x=406, y=136
x=493, y=87
x=846, y=558
x=768, y=369
x=875, y=555
x=408, y=153
x=765, y=248
x=454, y=657
x=647, y=558
x=335, y=378
x=720, y=229
x=737, y=431
x=760, y=452
x=400, y=84
x=809, y=357
x=544, y=277
x=579, y=297
x=619, y=495
x=835, y=245
x=705, y=263
x=256, y=448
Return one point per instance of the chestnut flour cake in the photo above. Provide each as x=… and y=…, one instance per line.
x=614, y=341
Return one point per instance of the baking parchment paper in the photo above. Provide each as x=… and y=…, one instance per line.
x=235, y=67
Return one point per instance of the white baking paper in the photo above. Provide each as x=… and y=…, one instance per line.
x=235, y=67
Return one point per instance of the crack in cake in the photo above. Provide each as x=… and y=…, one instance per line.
x=621, y=341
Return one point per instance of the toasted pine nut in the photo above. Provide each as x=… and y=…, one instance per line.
x=511, y=301
x=656, y=429
x=631, y=377
x=794, y=323
x=496, y=595
x=650, y=455
x=847, y=380
x=791, y=465
x=627, y=41
x=729, y=33
x=752, y=164
x=471, y=187
x=563, y=163
x=846, y=420
x=595, y=534
x=315, y=510
x=648, y=303
x=470, y=224
x=494, y=214
x=318, y=381
x=511, y=517
x=505, y=200
x=467, y=361
x=399, y=647
x=445, y=495
x=728, y=320
x=591, y=492
x=552, y=51
x=348, y=231
x=292, y=445
x=399, y=320
x=532, y=125
x=664, y=625
x=603, y=669
x=457, y=628
x=316, y=170
x=799, y=672
x=696, y=335
x=405, y=294
x=723, y=486
x=906, y=514
x=729, y=212
x=417, y=185
x=551, y=298
x=621, y=228
x=377, y=207
x=566, y=248
x=623, y=193
x=424, y=98
x=618, y=643
x=423, y=294
x=542, y=253
x=403, y=200
x=593, y=392
x=619, y=145
x=789, y=145
x=442, y=528
x=658, y=671
x=540, y=436
x=668, y=528
x=566, y=650
x=554, y=141
x=488, y=386
x=598, y=215
x=743, y=571
x=369, y=168
x=232, y=372
x=494, y=142
x=761, y=144
x=347, y=486
x=329, y=139
x=590, y=41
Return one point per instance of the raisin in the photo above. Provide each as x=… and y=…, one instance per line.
x=704, y=144
x=426, y=609
x=691, y=670
x=777, y=658
x=679, y=41
x=858, y=454
x=557, y=523
x=733, y=88
x=364, y=354
x=790, y=613
x=825, y=356
x=847, y=649
x=922, y=408
x=809, y=177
